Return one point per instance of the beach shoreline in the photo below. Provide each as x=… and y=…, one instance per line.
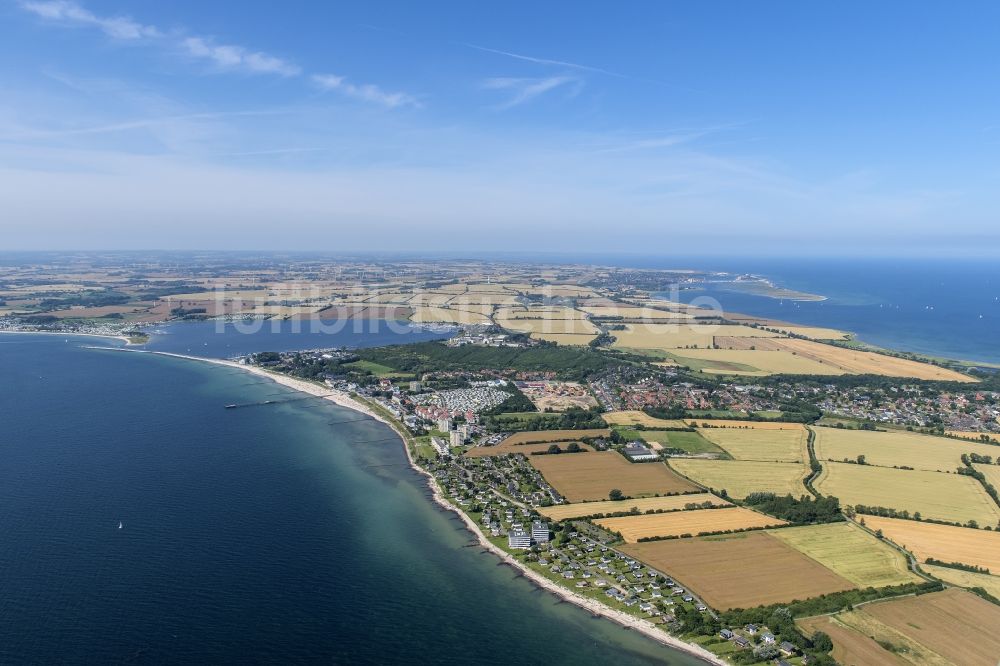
x=103, y=336
x=345, y=400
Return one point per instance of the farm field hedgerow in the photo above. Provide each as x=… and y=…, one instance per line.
x=643, y=504
x=767, y=445
x=739, y=478
x=850, y=646
x=896, y=448
x=979, y=548
x=680, y=335
x=988, y=582
x=753, y=362
x=949, y=497
x=958, y=625
x=739, y=570
x=591, y=476
x=633, y=528
x=851, y=552
x=635, y=417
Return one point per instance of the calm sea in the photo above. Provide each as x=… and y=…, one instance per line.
x=225, y=340
x=255, y=535
x=949, y=309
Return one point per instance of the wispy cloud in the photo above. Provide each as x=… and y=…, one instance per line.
x=526, y=89
x=547, y=61
x=25, y=134
x=119, y=27
x=230, y=57
x=223, y=57
x=667, y=140
x=366, y=92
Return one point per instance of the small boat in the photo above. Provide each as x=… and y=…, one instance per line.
x=120, y=524
x=233, y=406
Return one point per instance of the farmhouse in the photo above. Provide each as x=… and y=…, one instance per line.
x=639, y=452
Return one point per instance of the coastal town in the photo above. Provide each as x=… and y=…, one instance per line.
x=747, y=490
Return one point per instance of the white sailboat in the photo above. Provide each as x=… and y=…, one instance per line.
x=120, y=524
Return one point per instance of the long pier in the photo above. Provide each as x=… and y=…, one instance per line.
x=264, y=403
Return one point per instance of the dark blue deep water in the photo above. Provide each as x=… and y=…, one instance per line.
x=251, y=536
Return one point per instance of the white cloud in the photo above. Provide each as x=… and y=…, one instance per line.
x=526, y=89
x=119, y=27
x=227, y=56
x=366, y=92
x=224, y=57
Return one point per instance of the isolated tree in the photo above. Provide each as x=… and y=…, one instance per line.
x=554, y=449
x=615, y=494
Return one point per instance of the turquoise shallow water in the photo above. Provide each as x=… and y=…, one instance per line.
x=256, y=535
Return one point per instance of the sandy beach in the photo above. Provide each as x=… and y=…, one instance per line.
x=122, y=338
x=343, y=399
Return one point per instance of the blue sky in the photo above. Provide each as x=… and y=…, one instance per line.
x=699, y=127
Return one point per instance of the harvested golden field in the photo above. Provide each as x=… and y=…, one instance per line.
x=977, y=436
x=679, y=336
x=786, y=445
x=739, y=570
x=979, y=548
x=565, y=290
x=643, y=504
x=739, y=478
x=966, y=579
x=678, y=523
x=851, y=361
x=566, y=339
x=991, y=472
x=851, y=552
x=549, y=326
x=480, y=301
x=751, y=363
x=896, y=448
x=580, y=477
x=552, y=436
x=743, y=425
x=958, y=625
x=635, y=417
x=939, y=496
x=633, y=312
x=814, y=332
x=539, y=312
x=429, y=314
x=850, y=648
x=861, y=362
x=523, y=449
x=896, y=642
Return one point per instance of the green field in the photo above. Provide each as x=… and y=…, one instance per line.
x=851, y=552
x=690, y=442
x=376, y=369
